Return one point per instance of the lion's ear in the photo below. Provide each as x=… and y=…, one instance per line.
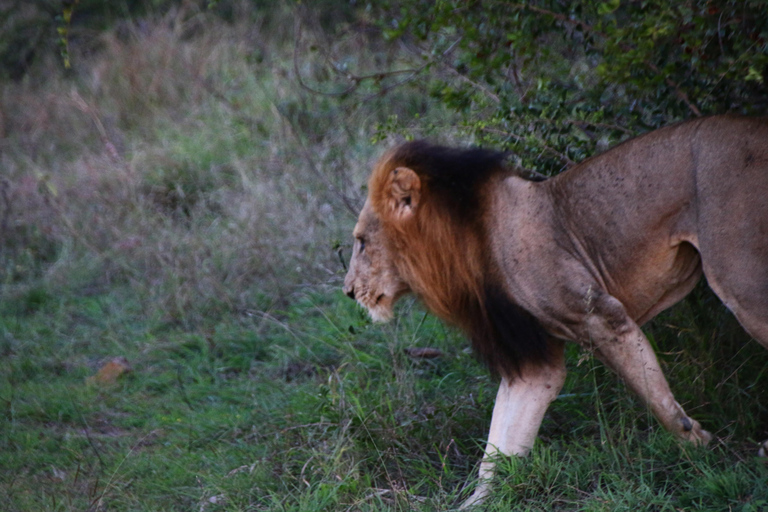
x=404, y=193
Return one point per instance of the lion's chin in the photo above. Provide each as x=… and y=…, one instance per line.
x=380, y=314
x=383, y=308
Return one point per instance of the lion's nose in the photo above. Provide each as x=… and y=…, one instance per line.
x=350, y=292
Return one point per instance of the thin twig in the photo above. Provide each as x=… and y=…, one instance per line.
x=477, y=85
x=4, y=186
x=313, y=166
x=608, y=126
x=355, y=79
x=728, y=70
x=92, y=111
x=584, y=122
x=681, y=95
x=304, y=151
x=415, y=73
x=358, y=79
x=97, y=501
x=87, y=432
x=379, y=75
x=563, y=158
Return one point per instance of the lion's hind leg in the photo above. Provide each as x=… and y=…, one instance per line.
x=732, y=234
x=739, y=277
x=618, y=341
x=750, y=311
x=745, y=294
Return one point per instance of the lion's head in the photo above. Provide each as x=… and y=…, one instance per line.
x=401, y=241
x=422, y=231
x=373, y=279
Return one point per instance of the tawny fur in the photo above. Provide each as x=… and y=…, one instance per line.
x=587, y=256
x=442, y=251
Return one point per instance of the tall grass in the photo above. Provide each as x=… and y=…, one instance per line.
x=184, y=160
x=183, y=200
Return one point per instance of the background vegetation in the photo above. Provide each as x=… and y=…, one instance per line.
x=179, y=201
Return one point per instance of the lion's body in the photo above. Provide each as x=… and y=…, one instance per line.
x=586, y=256
x=640, y=221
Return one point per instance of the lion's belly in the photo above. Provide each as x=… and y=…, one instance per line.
x=653, y=283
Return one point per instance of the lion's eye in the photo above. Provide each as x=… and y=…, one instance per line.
x=362, y=244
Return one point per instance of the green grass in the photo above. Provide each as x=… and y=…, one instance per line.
x=314, y=408
x=178, y=200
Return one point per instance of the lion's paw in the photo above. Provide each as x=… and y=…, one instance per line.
x=693, y=432
x=477, y=498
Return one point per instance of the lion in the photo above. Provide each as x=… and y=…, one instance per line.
x=522, y=265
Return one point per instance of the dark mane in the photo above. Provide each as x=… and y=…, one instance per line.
x=453, y=176
x=445, y=253
x=505, y=336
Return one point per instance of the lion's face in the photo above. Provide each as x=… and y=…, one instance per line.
x=373, y=279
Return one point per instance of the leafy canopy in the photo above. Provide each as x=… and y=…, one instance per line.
x=555, y=81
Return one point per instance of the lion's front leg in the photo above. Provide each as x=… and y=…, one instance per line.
x=618, y=342
x=517, y=414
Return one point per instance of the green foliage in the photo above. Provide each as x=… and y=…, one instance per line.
x=556, y=81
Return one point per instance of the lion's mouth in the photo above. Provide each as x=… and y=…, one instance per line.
x=379, y=309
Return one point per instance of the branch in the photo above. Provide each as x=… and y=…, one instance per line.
x=518, y=138
x=415, y=73
x=358, y=79
x=298, y=74
x=4, y=187
x=315, y=170
x=355, y=79
x=474, y=84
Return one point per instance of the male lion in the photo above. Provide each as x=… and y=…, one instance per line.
x=587, y=256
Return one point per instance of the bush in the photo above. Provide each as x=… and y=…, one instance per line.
x=557, y=81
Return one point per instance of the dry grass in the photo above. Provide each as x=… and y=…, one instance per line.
x=182, y=159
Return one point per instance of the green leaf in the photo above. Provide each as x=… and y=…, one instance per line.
x=754, y=75
x=608, y=7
